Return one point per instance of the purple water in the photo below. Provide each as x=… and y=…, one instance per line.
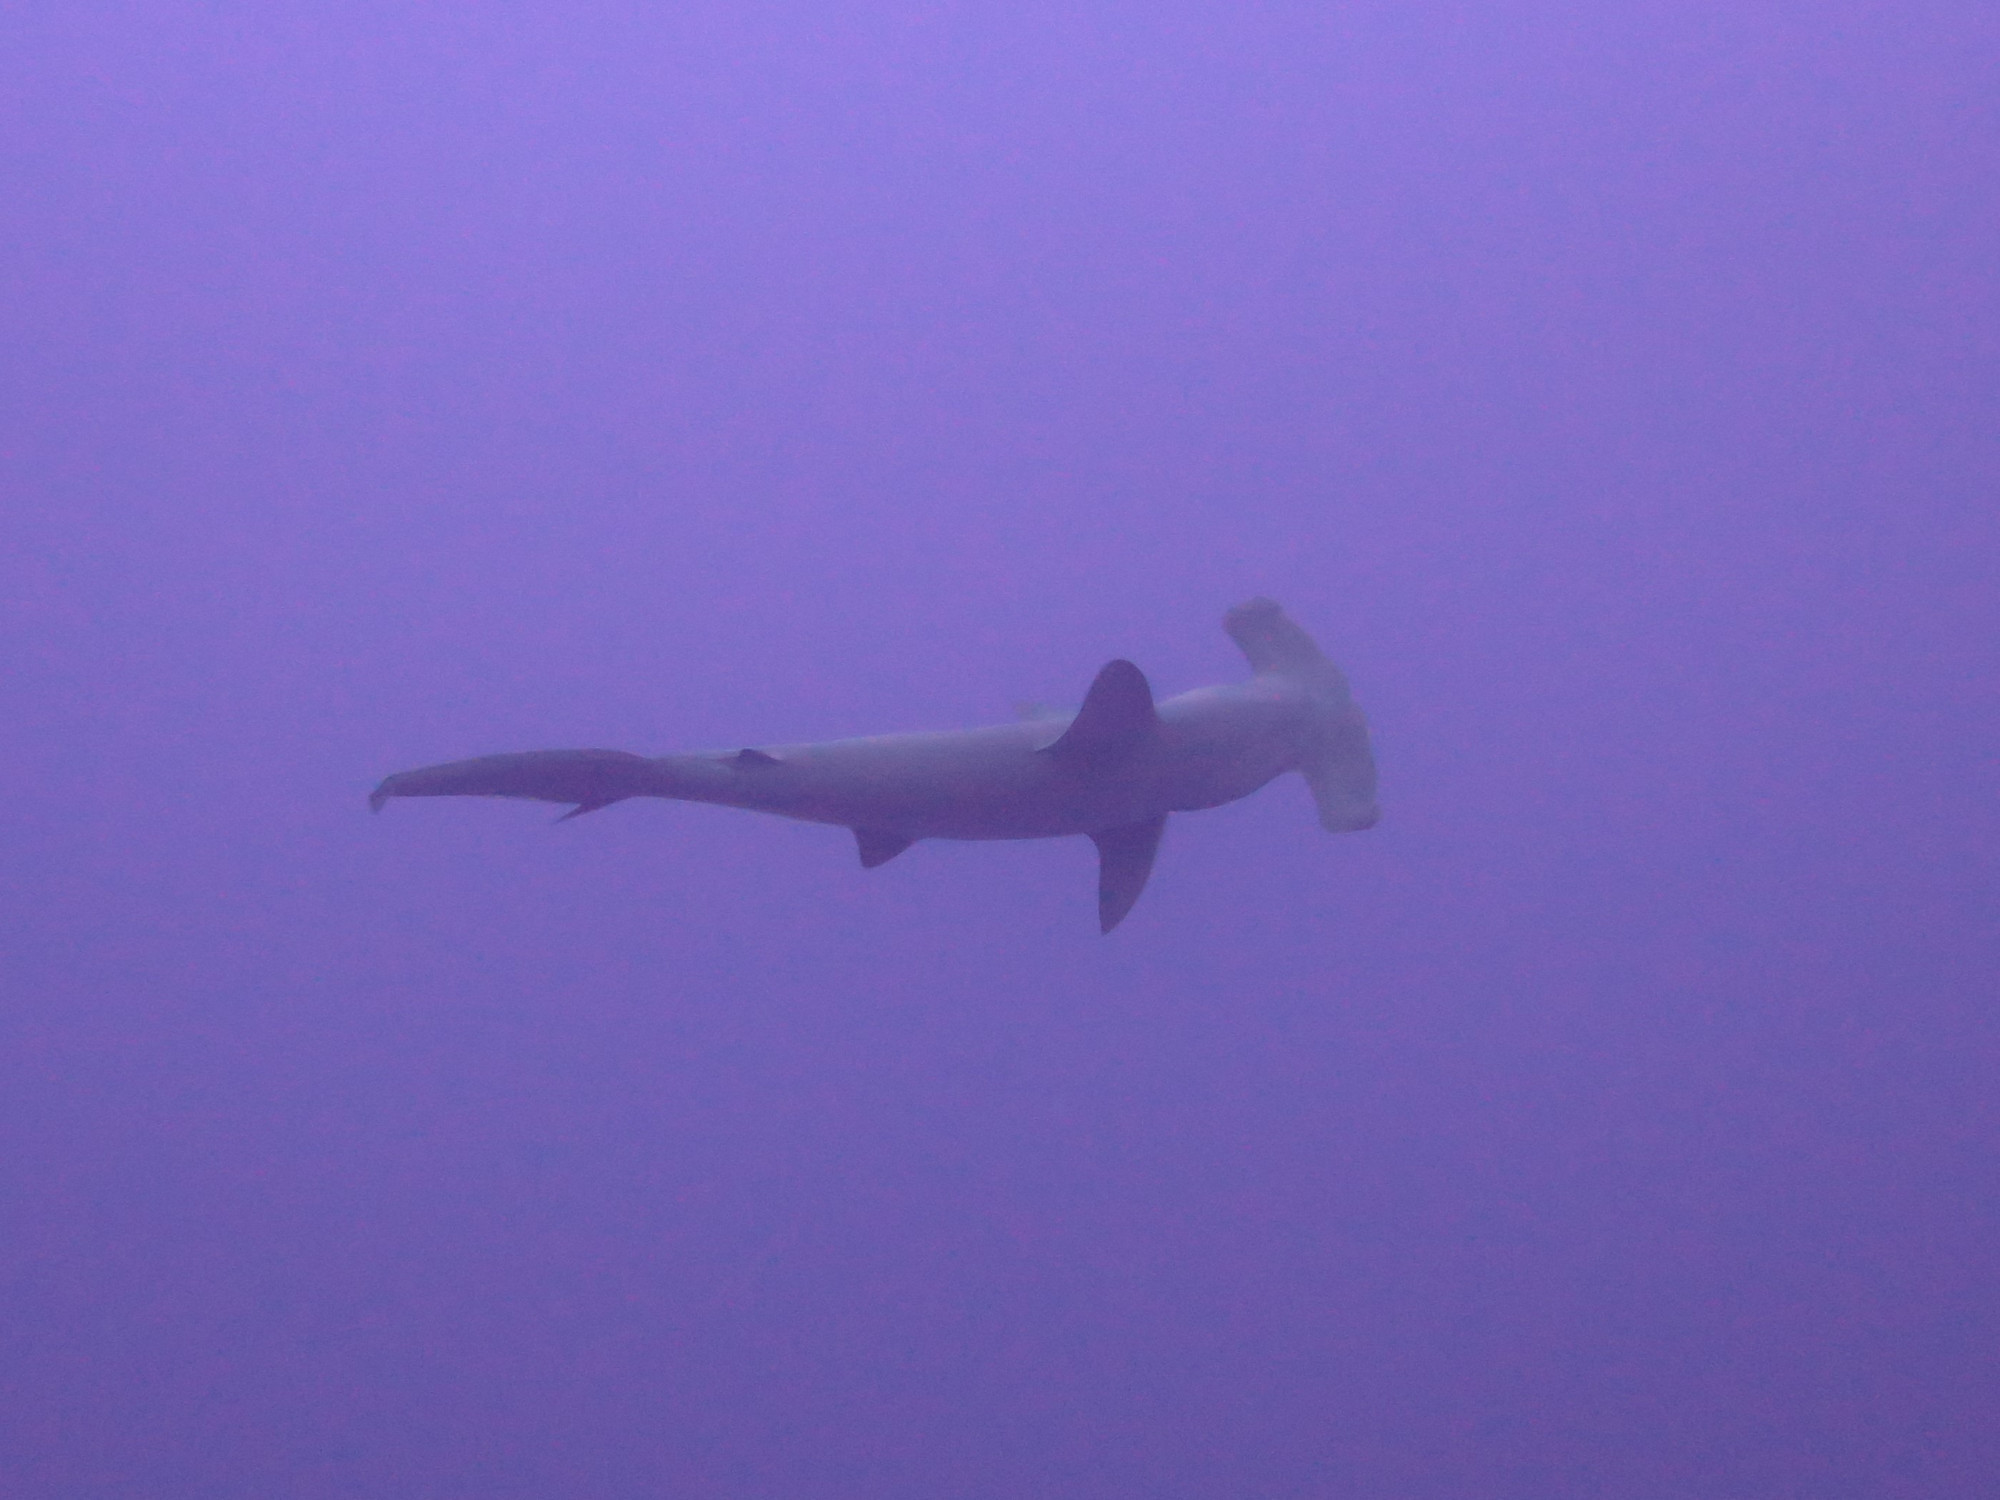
x=1611, y=389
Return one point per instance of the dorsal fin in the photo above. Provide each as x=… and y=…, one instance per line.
x=750, y=759
x=1117, y=714
x=878, y=846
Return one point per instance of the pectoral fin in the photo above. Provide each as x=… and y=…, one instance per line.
x=1124, y=860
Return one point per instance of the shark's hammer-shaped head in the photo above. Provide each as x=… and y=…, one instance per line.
x=1339, y=766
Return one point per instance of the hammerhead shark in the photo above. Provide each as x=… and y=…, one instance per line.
x=1112, y=770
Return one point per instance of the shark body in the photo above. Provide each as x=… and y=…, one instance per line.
x=1113, y=770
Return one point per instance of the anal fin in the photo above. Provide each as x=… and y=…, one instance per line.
x=1124, y=860
x=878, y=846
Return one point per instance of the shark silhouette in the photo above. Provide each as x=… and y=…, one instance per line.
x=1113, y=770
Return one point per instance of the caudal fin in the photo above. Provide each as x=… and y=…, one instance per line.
x=588, y=778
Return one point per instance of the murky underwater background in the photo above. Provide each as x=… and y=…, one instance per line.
x=1611, y=388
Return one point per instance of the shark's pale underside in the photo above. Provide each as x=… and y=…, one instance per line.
x=1112, y=770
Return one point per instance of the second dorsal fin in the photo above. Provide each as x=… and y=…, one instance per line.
x=1117, y=714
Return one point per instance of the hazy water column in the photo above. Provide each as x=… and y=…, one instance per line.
x=1607, y=390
